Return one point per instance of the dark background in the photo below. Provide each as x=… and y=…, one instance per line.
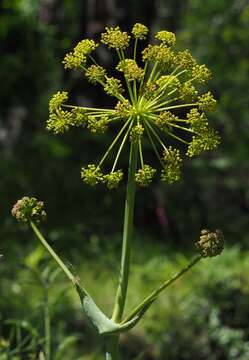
x=34, y=37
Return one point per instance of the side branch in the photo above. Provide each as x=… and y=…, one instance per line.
x=150, y=299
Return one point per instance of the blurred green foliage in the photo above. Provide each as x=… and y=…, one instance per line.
x=35, y=37
x=205, y=313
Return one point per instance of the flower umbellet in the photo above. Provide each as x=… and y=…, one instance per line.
x=160, y=102
x=29, y=209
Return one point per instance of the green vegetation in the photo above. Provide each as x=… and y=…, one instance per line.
x=210, y=304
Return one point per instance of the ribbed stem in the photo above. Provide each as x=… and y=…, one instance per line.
x=127, y=237
x=111, y=348
x=47, y=326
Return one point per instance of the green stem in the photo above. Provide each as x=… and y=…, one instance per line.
x=111, y=347
x=176, y=107
x=153, y=144
x=90, y=108
x=127, y=235
x=47, y=326
x=162, y=287
x=113, y=143
x=52, y=252
x=121, y=147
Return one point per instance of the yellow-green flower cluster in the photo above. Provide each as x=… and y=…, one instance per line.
x=164, y=119
x=29, y=209
x=60, y=119
x=172, y=162
x=57, y=100
x=136, y=133
x=115, y=38
x=113, y=179
x=131, y=70
x=169, y=81
x=208, y=140
x=150, y=90
x=201, y=73
x=156, y=102
x=123, y=109
x=166, y=37
x=92, y=175
x=140, y=31
x=78, y=56
x=95, y=74
x=161, y=54
x=145, y=175
x=207, y=102
x=188, y=92
x=185, y=59
x=211, y=243
x=97, y=125
x=198, y=121
x=113, y=87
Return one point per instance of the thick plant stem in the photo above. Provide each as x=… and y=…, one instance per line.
x=111, y=348
x=127, y=235
x=47, y=326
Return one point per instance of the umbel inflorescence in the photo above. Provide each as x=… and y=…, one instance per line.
x=158, y=100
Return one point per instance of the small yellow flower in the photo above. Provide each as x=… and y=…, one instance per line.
x=140, y=31
x=166, y=37
x=115, y=38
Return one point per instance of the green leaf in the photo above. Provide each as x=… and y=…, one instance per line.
x=100, y=321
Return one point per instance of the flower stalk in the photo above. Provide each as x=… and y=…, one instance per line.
x=127, y=237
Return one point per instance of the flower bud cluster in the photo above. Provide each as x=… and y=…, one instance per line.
x=123, y=109
x=185, y=59
x=166, y=37
x=60, y=120
x=169, y=81
x=115, y=38
x=78, y=56
x=97, y=125
x=201, y=73
x=113, y=87
x=57, y=100
x=210, y=243
x=113, y=179
x=136, y=133
x=172, y=165
x=144, y=176
x=198, y=121
x=187, y=92
x=140, y=31
x=164, y=119
x=207, y=102
x=29, y=209
x=92, y=175
x=161, y=54
x=207, y=140
x=131, y=70
x=95, y=74
x=150, y=90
